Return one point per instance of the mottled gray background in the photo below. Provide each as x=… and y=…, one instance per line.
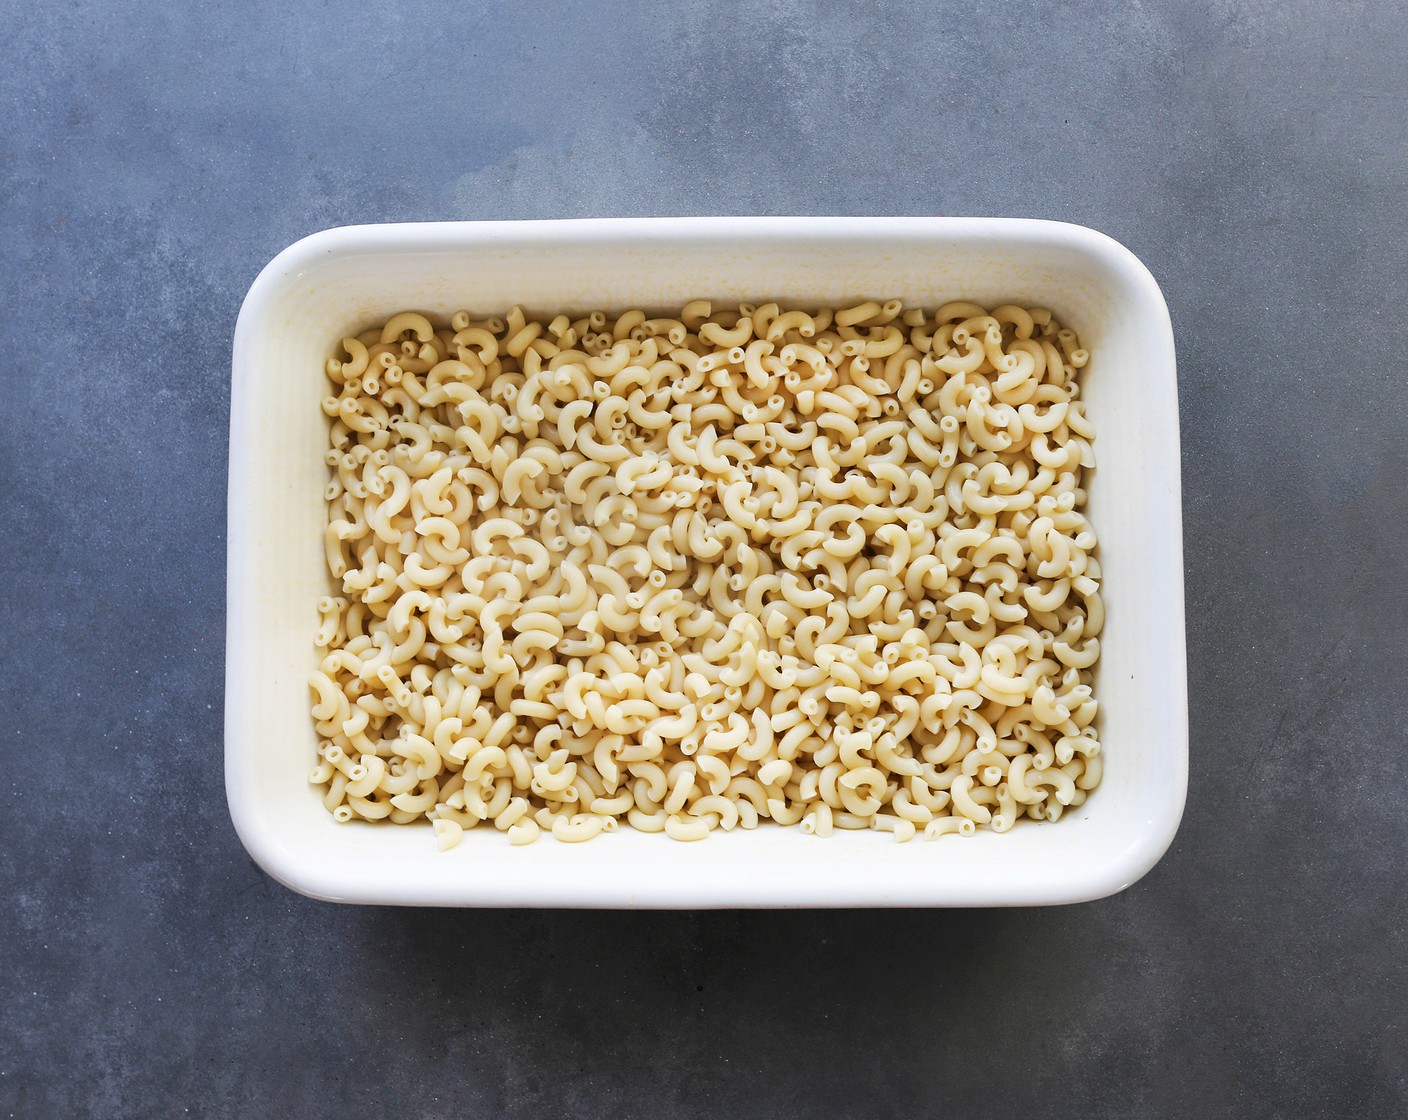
x=154, y=156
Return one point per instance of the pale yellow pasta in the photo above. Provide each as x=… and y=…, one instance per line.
x=447, y=833
x=699, y=571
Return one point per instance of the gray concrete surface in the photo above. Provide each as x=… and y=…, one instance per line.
x=154, y=156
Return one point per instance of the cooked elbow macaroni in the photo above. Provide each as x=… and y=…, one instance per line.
x=703, y=571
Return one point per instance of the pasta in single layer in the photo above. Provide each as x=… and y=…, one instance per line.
x=705, y=571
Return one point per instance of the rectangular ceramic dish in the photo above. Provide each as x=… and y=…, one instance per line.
x=343, y=280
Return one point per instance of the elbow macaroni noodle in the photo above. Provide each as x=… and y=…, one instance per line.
x=698, y=572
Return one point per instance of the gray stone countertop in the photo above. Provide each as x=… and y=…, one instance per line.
x=154, y=156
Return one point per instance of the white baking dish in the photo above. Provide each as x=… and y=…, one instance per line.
x=341, y=280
